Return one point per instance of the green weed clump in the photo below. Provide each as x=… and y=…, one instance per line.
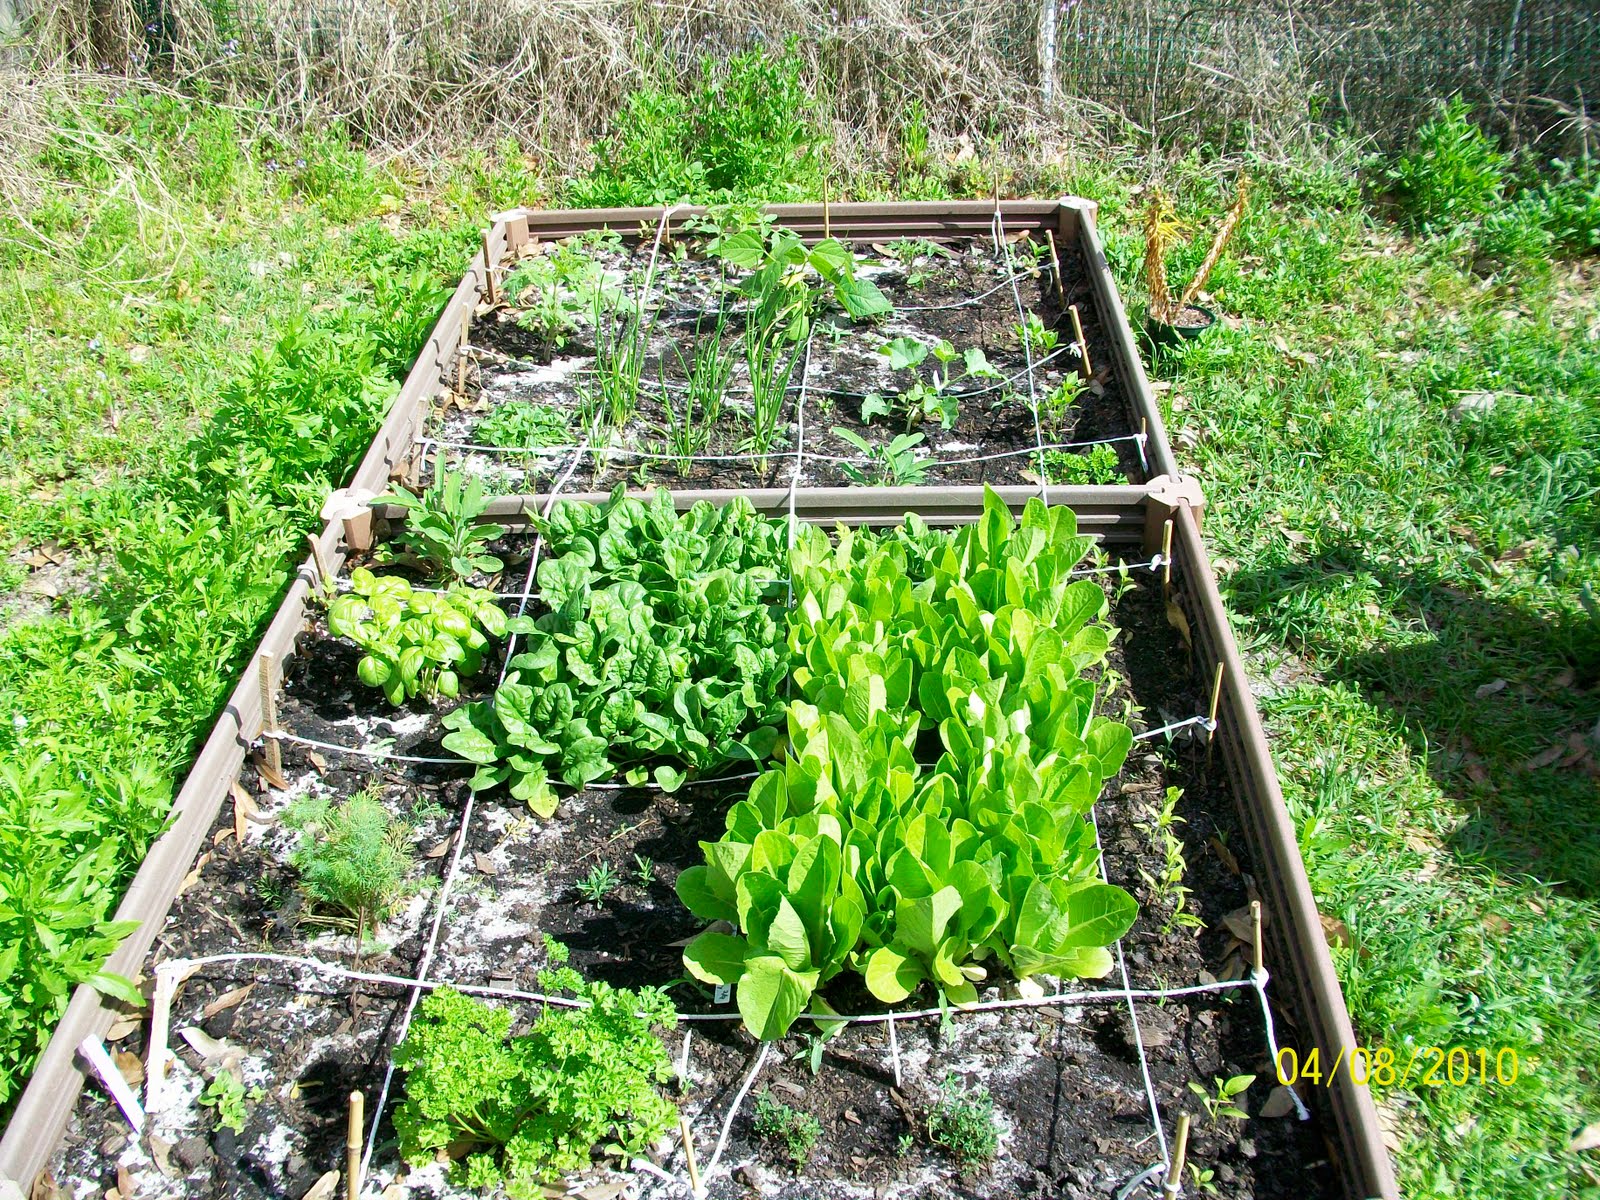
x=1456, y=173
x=747, y=131
x=962, y=1121
x=538, y=1104
x=796, y=1132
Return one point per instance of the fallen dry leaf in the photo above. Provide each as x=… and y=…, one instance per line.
x=221, y=836
x=129, y=1065
x=1545, y=757
x=1178, y=621
x=264, y=769
x=226, y=1001
x=159, y=1149
x=122, y=1026
x=243, y=809
x=439, y=850
x=193, y=877
x=1490, y=688
x=1335, y=930
x=324, y=1188
x=124, y=1180
x=485, y=864
x=1238, y=924
x=1588, y=1138
x=1279, y=1103
x=1225, y=855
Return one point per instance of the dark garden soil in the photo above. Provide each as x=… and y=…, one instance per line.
x=1066, y=1081
x=963, y=297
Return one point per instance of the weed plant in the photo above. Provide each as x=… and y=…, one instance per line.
x=796, y=1133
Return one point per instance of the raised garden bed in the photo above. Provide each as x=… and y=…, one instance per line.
x=1078, y=1042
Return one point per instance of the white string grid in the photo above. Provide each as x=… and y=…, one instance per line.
x=1126, y=993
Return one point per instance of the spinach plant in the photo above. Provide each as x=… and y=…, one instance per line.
x=852, y=854
x=524, y=425
x=442, y=534
x=416, y=643
x=931, y=399
x=658, y=647
x=532, y=1107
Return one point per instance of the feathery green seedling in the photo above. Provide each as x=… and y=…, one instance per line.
x=644, y=870
x=353, y=857
x=962, y=1121
x=795, y=1131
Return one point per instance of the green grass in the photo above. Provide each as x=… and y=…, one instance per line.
x=200, y=326
x=1403, y=461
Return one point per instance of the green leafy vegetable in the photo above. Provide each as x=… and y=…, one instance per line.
x=442, y=532
x=416, y=643
x=852, y=855
x=531, y=1107
x=659, y=651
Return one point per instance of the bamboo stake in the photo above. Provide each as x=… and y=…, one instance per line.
x=352, y=1145
x=155, y=1065
x=1180, y=1151
x=1211, y=715
x=1083, y=344
x=1166, y=556
x=1055, y=261
x=461, y=354
x=1255, y=938
x=689, y=1158
x=269, y=715
x=827, y=219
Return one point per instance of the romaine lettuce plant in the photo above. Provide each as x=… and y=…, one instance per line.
x=416, y=643
x=983, y=859
x=659, y=647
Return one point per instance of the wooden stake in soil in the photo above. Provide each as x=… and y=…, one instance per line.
x=488, y=272
x=352, y=1145
x=324, y=576
x=1055, y=261
x=269, y=716
x=689, y=1158
x=1166, y=556
x=155, y=1063
x=1180, y=1151
x=1255, y=938
x=1083, y=344
x=461, y=354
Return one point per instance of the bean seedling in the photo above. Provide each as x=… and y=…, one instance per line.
x=1221, y=1104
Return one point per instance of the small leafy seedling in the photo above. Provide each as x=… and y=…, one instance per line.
x=598, y=884
x=524, y=425
x=1035, y=335
x=797, y=1132
x=644, y=870
x=1222, y=1103
x=353, y=857
x=1203, y=1180
x=441, y=532
x=896, y=463
x=962, y=1121
x=227, y=1094
x=930, y=399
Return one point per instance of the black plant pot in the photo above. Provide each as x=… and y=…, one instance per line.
x=1163, y=335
